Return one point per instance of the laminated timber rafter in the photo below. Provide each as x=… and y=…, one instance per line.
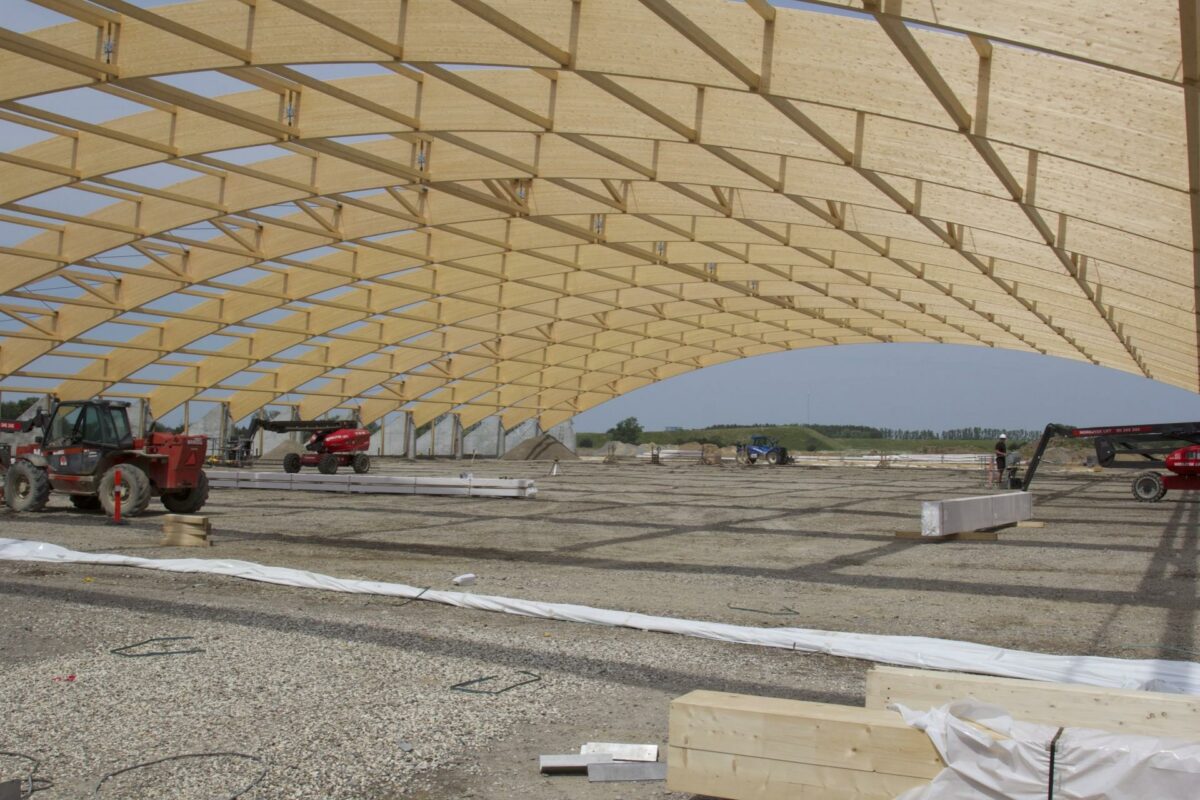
x=630, y=190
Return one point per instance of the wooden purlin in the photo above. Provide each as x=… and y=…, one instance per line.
x=907, y=44
x=879, y=277
x=712, y=48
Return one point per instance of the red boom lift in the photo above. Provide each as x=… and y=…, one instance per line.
x=333, y=443
x=1138, y=447
x=82, y=449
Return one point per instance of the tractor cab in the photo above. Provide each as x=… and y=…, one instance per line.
x=102, y=424
x=764, y=448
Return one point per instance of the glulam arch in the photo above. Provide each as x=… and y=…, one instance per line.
x=631, y=190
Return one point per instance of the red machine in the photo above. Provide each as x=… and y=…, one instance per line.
x=1137, y=447
x=333, y=444
x=82, y=450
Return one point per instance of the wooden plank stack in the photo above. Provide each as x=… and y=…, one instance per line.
x=186, y=530
x=738, y=746
x=758, y=748
x=1066, y=704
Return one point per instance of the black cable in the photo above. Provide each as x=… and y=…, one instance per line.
x=120, y=651
x=239, y=793
x=462, y=687
x=786, y=611
x=414, y=599
x=30, y=780
x=1053, y=753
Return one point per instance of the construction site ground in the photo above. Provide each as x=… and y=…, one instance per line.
x=348, y=696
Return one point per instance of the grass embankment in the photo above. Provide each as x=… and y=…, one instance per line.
x=800, y=439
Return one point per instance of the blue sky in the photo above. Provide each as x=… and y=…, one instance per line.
x=894, y=385
x=933, y=386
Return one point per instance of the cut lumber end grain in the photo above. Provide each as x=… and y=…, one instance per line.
x=1059, y=704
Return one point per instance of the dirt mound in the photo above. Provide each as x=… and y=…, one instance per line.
x=540, y=448
x=282, y=449
x=711, y=455
x=1061, y=455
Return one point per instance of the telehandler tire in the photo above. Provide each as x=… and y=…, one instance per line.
x=135, y=490
x=26, y=487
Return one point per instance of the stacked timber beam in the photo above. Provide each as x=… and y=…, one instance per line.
x=1064, y=704
x=350, y=483
x=186, y=530
x=738, y=746
x=757, y=748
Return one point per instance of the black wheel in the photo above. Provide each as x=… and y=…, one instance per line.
x=361, y=463
x=291, y=462
x=188, y=501
x=328, y=464
x=134, y=488
x=26, y=487
x=85, y=502
x=1148, y=487
x=772, y=457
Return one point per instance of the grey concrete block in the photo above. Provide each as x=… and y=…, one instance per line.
x=944, y=517
x=571, y=763
x=623, y=771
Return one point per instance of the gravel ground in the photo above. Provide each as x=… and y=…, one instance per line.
x=327, y=689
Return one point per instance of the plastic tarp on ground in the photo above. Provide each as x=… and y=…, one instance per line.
x=999, y=758
x=909, y=651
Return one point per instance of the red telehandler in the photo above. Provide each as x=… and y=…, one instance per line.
x=84, y=446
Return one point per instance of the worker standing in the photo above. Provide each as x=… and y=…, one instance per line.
x=1001, y=457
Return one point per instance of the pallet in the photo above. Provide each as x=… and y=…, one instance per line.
x=186, y=530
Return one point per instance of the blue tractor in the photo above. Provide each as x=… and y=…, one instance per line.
x=762, y=449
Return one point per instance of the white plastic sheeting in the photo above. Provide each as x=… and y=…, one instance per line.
x=1016, y=763
x=909, y=651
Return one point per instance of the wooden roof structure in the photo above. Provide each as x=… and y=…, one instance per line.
x=528, y=207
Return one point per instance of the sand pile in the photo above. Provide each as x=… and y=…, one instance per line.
x=280, y=450
x=540, y=448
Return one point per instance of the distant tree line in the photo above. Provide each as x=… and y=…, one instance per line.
x=869, y=432
x=11, y=409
